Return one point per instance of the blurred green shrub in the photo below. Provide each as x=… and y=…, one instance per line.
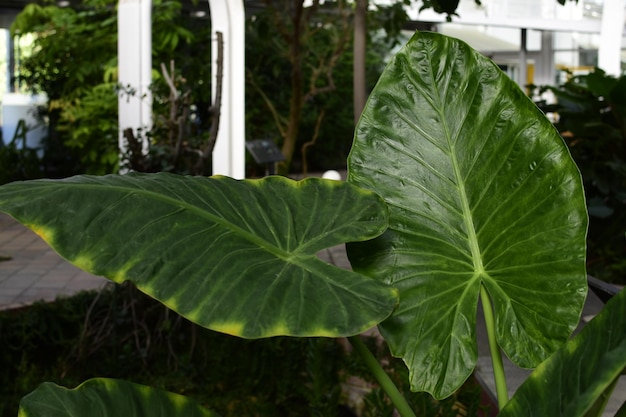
x=18, y=162
x=122, y=333
x=591, y=116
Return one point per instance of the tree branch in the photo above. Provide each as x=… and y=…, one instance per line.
x=328, y=68
x=216, y=107
x=307, y=145
x=278, y=119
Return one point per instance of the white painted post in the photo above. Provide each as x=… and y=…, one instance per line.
x=228, y=17
x=609, y=52
x=523, y=62
x=545, y=72
x=134, y=54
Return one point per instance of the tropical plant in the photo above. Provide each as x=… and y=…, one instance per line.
x=459, y=190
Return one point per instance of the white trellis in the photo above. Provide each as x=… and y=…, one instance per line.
x=135, y=70
x=228, y=17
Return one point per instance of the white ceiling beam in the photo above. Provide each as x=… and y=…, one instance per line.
x=557, y=25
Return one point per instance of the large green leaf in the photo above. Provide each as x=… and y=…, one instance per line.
x=237, y=257
x=103, y=397
x=481, y=191
x=571, y=380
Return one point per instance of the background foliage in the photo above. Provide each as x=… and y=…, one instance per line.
x=66, y=68
x=122, y=333
x=80, y=80
x=592, y=119
x=269, y=68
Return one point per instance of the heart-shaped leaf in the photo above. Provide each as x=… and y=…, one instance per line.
x=481, y=191
x=104, y=397
x=577, y=375
x=237, y=257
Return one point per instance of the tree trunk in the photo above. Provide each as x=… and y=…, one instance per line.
x=360, y=34
x=297, y=92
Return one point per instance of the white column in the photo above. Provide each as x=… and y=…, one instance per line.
x=228, y=17
x=545, y=71
x=523, y=66
x=134, y=54
x=609, y=52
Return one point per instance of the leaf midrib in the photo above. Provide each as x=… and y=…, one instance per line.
x=479, y=268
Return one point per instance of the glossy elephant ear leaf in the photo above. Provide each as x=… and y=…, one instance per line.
x=237, y=257
x=103, y=397
x=571, y=380
x=482, y=192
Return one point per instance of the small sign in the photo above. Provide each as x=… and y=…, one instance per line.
x=264, y=151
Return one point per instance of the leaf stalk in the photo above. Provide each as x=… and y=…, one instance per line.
x=502, y=391
x=381, y=376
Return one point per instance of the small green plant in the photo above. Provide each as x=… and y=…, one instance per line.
x=18, y=161
x=459, y=191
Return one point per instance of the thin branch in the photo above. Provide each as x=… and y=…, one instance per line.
x=311, y=10
x=278, y=119
x=307, y=145
x=173, y=140
x=168, y=78
x=283, y=31
x=216, y=107
x=328, y=68
x=135, y=154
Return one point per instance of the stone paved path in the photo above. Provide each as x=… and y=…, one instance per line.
x=33, y=271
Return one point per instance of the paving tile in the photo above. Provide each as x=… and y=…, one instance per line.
x=13, y=292
x=91, y=284
x=35, y=269
x=21, y=280
x=35, y=272
x=6, y=300
x=56, y=277
x=6, y=268
x=51, y=284
x=38, y=294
